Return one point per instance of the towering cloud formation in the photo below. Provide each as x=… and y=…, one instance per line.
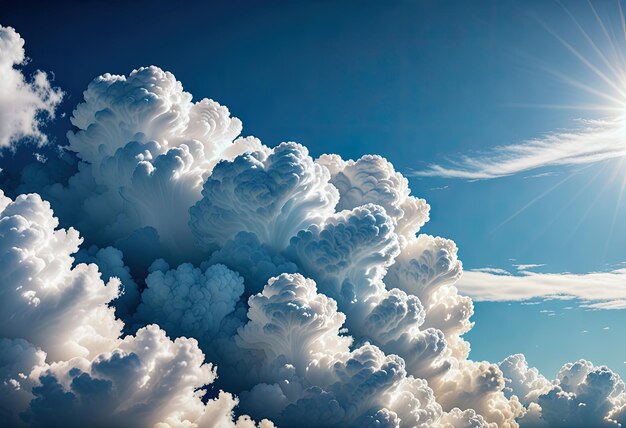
x=304, y=280
x=145, y=149
x=24, y=104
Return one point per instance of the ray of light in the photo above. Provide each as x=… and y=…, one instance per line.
x=623, y=22
x=618, y=205
x=586, y=88
x=533, y=201
x=564, y=207
x=578, y=107
x=609, y=38
x=587, y=63
x=593, y=45
x=582, y=219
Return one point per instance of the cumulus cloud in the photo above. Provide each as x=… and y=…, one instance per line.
x=255, y=261
x=597, y=290
x=348, y=253
x=25, y=103
x=372, y=179
x=308, y=366
x=110, y=262
x=304, y=280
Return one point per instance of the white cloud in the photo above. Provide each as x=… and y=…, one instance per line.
x=492, y=270
x=599, y=290
x=373, y=179
x=24, y=103
x=148, y=380
x=528, y=266
x=592, y=141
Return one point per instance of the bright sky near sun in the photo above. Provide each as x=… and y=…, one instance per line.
x=507, y=116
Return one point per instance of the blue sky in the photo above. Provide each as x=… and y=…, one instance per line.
x=417, y=82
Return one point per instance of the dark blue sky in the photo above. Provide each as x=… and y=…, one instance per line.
x=414, y=81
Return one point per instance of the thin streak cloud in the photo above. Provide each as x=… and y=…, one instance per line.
x=592, y=141
x=597, y=290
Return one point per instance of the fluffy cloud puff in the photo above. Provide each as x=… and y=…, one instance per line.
x=256, y=262
x=310, y=371
x=348, y=253
x=110, y=262
x=24, y=103
x=372, y=179
x=271, y=193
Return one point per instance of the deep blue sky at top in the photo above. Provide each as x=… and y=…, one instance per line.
x=414, y=81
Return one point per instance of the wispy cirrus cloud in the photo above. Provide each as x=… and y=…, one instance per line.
x=592, y=141
x=596, y=290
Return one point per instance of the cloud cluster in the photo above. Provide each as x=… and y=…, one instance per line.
x=305, y=280
x=24, y=103
x=582, y=395
x=63, y=361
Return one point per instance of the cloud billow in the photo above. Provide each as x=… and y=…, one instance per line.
x=25, y=104
x=303, y=280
